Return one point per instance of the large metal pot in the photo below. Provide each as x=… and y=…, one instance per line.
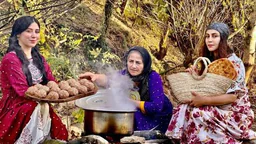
x=99, y=119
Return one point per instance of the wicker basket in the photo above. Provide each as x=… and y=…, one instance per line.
x=207, y=84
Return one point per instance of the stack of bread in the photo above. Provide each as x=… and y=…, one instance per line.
x=61, y=90
x=223, y=67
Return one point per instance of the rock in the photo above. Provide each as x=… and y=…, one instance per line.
x=150, y=134
x=249, y=142
x=93, y=139
x=52, y=141
x=133, y=139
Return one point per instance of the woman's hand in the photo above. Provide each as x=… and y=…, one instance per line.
x=135, y=102
x=99, y=79
x=191, y=69
x=88, y=75
x=198, y=100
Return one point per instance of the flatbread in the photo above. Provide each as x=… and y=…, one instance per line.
x=223, y=67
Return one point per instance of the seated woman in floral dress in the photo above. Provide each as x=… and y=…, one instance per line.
x=225, y=118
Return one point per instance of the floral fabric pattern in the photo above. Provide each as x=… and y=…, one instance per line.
x=229, y=123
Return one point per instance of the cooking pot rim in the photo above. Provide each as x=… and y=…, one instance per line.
x=90, y=103
x=104, y=110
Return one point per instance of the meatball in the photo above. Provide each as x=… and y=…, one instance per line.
x=51, y=84
x=82, y=89
x=64, y=85
x=71, y=81
x=47, y=89
x=52, y=95
x=32, y=90
x=55, y=88
x=72, y=91
x=63, y=94
x=41, y=93
x=39, y=86
x=87, y=83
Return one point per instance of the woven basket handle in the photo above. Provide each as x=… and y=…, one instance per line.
x=206, y=61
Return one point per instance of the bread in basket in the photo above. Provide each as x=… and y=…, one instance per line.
x=207, y=84
x=223, y=67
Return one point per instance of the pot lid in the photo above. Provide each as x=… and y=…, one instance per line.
x=101, y=102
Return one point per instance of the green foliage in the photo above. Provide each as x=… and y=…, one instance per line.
x=3, y=44
x=133, y=12
x=60, y=66
x=107, y=57
x=161, y=10
x=78, y=115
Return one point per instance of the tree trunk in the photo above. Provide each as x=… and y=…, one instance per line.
x=107, y=15
x=122, y=7
x=251, y=57
x=162, y=44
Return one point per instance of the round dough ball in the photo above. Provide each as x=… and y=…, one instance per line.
x=63, y=94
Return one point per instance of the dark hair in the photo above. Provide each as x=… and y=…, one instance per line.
x=144, y=76
x=222, y=52
x=19, y=26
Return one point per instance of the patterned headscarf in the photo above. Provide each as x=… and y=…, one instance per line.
x=222, y=28
x=144, y=76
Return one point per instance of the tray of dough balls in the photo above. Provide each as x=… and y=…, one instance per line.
x=66, y=90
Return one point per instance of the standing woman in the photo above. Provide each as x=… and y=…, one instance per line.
x=23, y=120
x=225, y=118
x=154, y=109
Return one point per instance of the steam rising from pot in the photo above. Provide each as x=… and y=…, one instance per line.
x=115, y=97
x=118, y=92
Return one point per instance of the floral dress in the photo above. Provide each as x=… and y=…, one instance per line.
x=229, y=123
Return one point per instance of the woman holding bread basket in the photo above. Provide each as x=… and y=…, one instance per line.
x=23, y=120
x=223, y=118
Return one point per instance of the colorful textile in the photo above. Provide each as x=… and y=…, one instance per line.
x=15, y=110
x=216, y=124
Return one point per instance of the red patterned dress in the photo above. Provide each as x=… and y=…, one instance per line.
x=18, y=115
x=229, y=123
